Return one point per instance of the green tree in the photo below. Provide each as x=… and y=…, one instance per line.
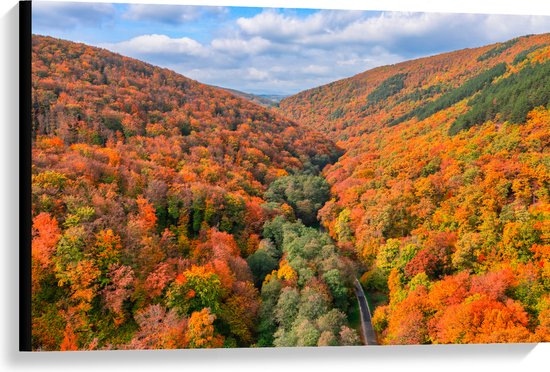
x=287, y=307
x=194, y=290
x=306, y=194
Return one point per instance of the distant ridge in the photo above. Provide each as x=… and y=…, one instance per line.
x=266, y=100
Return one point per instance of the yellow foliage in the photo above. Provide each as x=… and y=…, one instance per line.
x=286, y=272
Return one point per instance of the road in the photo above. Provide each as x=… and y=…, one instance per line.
x=366, y=323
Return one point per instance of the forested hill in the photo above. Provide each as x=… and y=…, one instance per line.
x=148, y=196
x=415, y=89
x=89, y=95
x=444, y=190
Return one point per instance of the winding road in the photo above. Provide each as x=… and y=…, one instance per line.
x=366, y=323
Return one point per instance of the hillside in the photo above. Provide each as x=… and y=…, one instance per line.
x=386, y=95
x=149, y=203
x=443, y=192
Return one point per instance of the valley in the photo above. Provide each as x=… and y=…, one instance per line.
x=172, y=214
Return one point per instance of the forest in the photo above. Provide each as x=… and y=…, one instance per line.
x=443, y=191
x=171, y=214
x=153, y=197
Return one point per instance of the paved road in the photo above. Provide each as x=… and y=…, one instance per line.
x=366, y=324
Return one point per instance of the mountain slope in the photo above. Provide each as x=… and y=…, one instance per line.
x=443, y=191
x=385, y=95
x=148, y=195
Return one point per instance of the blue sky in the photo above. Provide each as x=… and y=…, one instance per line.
x=272, y=51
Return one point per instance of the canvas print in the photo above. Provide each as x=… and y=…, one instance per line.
x=227, y=177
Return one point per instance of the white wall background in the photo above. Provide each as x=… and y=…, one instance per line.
x=520, y=357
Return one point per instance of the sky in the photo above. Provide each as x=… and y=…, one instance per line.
x=272, y=50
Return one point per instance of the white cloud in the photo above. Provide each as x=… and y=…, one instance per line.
x=332, y=29
x=256, y=75
x=271, y=24
x=170, y=14
x=502, y=27
x=283, y=52
x=239, y=46
x=159, y=46
x=66, y=16
x=316, y=70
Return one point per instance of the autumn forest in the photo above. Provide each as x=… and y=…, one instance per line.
x=169, y=214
